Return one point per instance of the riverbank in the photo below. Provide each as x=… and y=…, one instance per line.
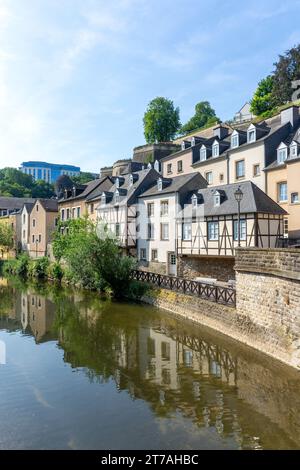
x=273, y=340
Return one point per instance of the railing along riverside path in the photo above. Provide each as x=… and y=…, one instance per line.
x=211, y=292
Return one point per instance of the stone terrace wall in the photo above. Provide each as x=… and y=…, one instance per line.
x=220, y=268
x=268, y=300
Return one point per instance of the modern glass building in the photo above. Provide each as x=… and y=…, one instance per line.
x=48, y=172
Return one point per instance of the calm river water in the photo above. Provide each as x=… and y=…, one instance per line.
x=83, y=373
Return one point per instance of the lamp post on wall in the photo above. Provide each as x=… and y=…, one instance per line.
x=238, y=194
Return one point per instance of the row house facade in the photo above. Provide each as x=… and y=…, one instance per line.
x=117, y=210
x=38, y=225
x=248, y=152
x=192, y=230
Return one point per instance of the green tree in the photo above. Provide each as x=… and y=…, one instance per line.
x=17, y=184
x=6, y=237
x=83, y=178
x=287, y=70
x=161, y=121
x=262, y=98
x=94, y=261
x=204, y=115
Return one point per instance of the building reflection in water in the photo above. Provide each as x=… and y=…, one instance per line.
x=174, y=366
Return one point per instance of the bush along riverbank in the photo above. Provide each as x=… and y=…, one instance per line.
x=85, y=259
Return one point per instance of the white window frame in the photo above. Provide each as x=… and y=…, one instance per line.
x=159, y=184
x=295, y=193
x=209, y=180
x=235, y=141
x=251, y=132
x=164, y=237
x=293, y=150
x=215, y=149
x=213, y=235
x=279, y=193
x=143, y=254
x=187, y=231
x=282, y=154
x=243, y=230
x=164, y=208
x=203, y=153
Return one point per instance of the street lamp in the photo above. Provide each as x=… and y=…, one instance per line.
x=238, y=194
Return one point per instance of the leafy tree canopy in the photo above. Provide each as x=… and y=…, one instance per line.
x=262, y=98
x=6, y=236
x=17, y=184
x=161, y=121
x=287, y=70
x=204, y=115
x=83, y=177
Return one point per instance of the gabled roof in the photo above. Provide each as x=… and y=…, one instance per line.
x=50, y=205
x=88, y=188
x=174, y=184
x=14, y=203
x=254, y=200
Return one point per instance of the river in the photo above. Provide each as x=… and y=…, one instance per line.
x=86, y=373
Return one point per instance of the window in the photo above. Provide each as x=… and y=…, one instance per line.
x=202, y=153
x=150, y=209
x=150, y=231
x=117, y=183
x=24, y=234
x=130, y=180
x=143, y=254
x=294, y=198
x=169, y=168
x=33, y=222
x=240, y=169
x=33, y=238
x=183, y=145
x=24, y=218
x=159, y=184
x=243, y=229
x=256, y=170
x=68, y=214
x=179, y=166
x=117, y=197
x=281, y=155
x=221, y=177
x=62, y=214
x=164, y=231
x=187, y=231
x=251, y=134
x=92, y=208
x=56, y=222
x=164, y=208
x=103, y=199
x=165, y=350
x=282, y=192
x=293, y=150
x=117, y=230
x=78, y=212
x=215, y=150
x=37, y=207
x=234, y=140
x=194, y=201
x=209, y=177
x=40, y=238
x=153, y=255
x=213, y=230
x=73, y=212
x=217, y=199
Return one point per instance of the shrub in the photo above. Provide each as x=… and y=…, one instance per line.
x=38, y=268
x=21, y=267
x=55, y=271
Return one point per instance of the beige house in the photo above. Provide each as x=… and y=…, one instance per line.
x=283, y=184
x=43, y=222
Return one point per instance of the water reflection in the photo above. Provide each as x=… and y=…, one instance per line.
x=172, y=366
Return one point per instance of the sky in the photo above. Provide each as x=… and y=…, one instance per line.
x=76, y=75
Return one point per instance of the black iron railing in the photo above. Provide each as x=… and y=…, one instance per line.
x=214, y=293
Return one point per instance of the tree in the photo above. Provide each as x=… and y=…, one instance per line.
x=262, y=98
x=17, y=184
x=83, y=178
x=287, y=70
x=161, y=121
x=6, y=237
x=204, y=115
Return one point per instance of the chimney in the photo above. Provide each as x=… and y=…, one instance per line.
x=220, y=132
x=291, y=115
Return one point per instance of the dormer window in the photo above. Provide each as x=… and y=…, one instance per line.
x=293, y=150
x=103, y=199
x=251, y=134
x=130, y=180
x=215, y=149
x=202, y=153
x=159, y=184
x=194, y=201
x=193, y=141
x=217, y=199
x=183, y=145
x=234, y=139
x=281, y=153
x=117, y=183
x=74, y=191
x=156, y=166
x=117, y=197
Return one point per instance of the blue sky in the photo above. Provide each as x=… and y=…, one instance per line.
x=76, y=75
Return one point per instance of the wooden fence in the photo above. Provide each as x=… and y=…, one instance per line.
x=214, y=293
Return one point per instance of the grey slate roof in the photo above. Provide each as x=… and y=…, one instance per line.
x=14, y=203
x=89, y=187
x=254, y=200
x=173, y=185
x=50, y=205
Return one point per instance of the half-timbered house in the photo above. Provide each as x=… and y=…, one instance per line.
x=209, y=230
x=117, y=210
